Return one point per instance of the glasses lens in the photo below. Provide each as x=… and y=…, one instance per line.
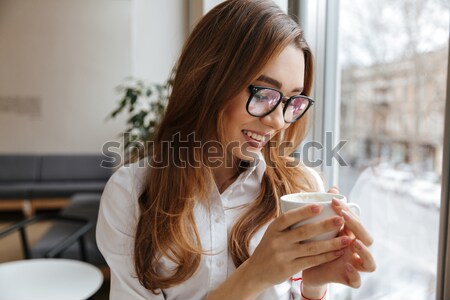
x=263, y=101
x=296, y=109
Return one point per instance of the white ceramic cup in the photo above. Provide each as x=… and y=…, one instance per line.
x=293, y=201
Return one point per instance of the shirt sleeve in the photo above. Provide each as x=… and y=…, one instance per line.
x=296, y=293
x=115, y=232
x=295, y=287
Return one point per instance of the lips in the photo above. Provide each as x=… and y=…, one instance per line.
x=256, y=139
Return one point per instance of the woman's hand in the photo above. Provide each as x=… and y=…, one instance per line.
x=357, y=258
x=280, y=254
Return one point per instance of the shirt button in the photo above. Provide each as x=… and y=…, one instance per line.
x=218, y=219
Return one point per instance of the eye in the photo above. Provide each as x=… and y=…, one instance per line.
x=260, y=96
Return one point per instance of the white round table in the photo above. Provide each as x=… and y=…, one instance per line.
x=48, y=279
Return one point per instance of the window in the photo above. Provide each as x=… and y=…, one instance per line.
x=381, y=82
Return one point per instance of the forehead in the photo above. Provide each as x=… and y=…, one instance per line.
x=288, y=68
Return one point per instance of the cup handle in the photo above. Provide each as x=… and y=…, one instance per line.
x=354, y=208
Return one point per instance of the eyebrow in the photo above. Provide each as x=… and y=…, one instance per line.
x=276, y=83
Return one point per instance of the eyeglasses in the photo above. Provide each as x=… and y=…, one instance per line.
x=264, y=100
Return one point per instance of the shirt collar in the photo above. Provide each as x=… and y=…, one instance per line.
x=258, y=166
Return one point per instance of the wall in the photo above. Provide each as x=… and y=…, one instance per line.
x=60, y=61
x=198, y=8
x=159, y=30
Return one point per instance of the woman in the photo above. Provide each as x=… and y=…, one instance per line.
x=201, y=218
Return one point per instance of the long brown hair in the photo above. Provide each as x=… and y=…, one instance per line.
x=225, y=52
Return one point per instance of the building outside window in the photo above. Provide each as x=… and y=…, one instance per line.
x=381, y=85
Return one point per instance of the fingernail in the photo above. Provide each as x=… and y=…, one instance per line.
x=357, y=244
x=345, y=215
x=349, y=268
x=339, y=253
x=335, y=202
x=315, y=208
x=345, y=241
x=338, y=221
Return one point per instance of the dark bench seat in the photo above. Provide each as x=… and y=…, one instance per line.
x=30, y=177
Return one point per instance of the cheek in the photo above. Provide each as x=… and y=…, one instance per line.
x=241, y=117
x=232, y=122
x=236, y=112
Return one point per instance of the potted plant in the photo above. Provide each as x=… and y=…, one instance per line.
x=145, y=104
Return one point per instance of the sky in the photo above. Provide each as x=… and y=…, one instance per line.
x=381, y=31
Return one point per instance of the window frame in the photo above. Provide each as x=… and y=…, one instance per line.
x=443, y=273
x=319, y=19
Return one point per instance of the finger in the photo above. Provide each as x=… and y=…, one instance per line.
x=353, y=278
x=310, y=230
x=319, y=247
x=333, y=190
x=366, y=262
x=357, y=228
x=352, y=223
x=291, y=217
x=338, y=206
x=347, y=232
x=303, y=263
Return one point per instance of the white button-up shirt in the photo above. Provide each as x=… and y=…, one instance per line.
x=116, y=226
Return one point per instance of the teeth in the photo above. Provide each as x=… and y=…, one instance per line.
x=255, y=136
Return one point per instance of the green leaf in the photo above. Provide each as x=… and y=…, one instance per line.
x=131, y=90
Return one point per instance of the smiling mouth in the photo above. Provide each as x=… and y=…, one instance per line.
x=252, y=136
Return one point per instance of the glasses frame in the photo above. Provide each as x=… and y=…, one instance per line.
x=254, y=89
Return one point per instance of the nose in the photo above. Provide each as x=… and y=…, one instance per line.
x=275, y=119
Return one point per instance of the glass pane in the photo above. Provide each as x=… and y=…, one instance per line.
x=393, y=59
